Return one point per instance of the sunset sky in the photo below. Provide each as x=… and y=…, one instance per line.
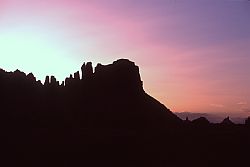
x=194, y=55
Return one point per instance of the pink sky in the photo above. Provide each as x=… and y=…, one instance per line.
x=193, y=56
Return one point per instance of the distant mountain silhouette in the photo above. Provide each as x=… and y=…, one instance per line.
x=227, y=122
x=103, y=117
x=212, y=117
x=201, y=121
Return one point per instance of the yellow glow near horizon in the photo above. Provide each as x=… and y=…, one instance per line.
x=30, y=52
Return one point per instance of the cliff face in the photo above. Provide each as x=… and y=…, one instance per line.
x=122, y=75
x=110, y=96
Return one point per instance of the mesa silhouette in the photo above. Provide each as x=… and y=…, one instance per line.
x=103, y=117
x=112, y=96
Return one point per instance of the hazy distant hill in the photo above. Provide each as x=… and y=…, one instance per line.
x=214, y=118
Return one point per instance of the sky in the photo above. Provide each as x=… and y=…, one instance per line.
x=194, y=55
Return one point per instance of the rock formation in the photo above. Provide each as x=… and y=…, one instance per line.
x=105, y=118
x=227, y=122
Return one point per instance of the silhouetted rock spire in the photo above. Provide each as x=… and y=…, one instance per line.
x=83, y=69
x=88, y=70
x=227, y=121
x=69, y=80
x=66, y=82
x=77, y=75
x=46, y=80
x=53, y=80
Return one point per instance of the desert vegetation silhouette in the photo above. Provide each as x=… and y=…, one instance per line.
x=103, y=117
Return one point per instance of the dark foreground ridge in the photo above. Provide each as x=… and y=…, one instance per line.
x=105, y=118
